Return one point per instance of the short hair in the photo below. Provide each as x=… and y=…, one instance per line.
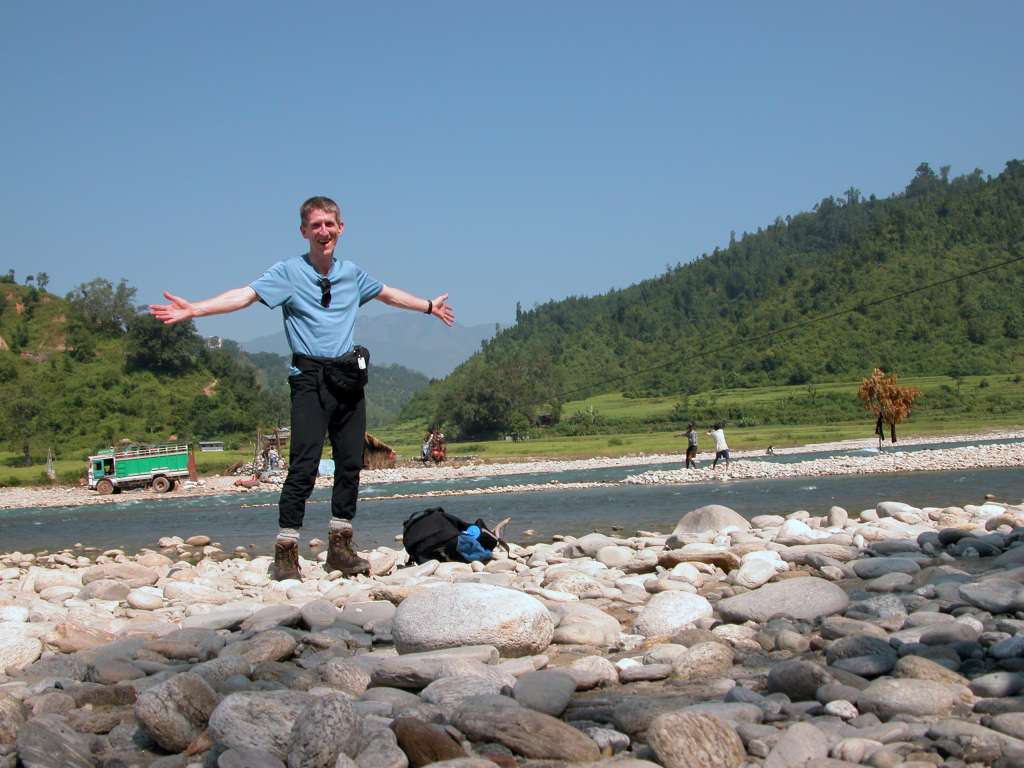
x=319, y=203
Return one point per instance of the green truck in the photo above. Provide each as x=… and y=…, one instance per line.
x=158, y=466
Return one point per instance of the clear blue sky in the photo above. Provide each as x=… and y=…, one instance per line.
x=504, y=152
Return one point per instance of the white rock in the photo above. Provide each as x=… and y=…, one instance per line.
x=145, y=598
x=614, y=556
x=753, y=573
x=687, y=573
x=14, y=613
x=668, y=612
x=17, y=650
x=451, y=615
x=196, y=593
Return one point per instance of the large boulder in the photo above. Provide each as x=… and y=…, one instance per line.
x=48, y=741
x=131, y=574
x=174, y=712
x=909, y=696
x=17, y=650
x=684, y=740
x=584, y=624
x=807, y=598
x=712, y=517
x=453, y=615
x=526, y=732
x=668, y=612
x=258, y=720
x=325, y=729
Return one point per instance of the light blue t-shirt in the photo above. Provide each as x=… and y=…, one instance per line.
x=294, y=285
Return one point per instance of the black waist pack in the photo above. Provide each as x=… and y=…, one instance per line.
x=433, y=534
x=349, y=372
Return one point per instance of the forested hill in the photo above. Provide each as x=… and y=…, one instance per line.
x=85, y=371
x=849, y=251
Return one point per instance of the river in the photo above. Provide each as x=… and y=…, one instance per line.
x=251, y=520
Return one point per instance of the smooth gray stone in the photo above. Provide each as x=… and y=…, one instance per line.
x=260, y=720
x=245, y=757
x=890, y=582
x=997, y=684
x=807, y=598
x=326, y=728
x=889, y=697
x=799, y=680
x=272, y=616
x=836, y=691
x=894, y=547
x=867, y=666
x=418, y=670
x=220, y=618
x=368, y=612
x=948, y=633
x=998, y=595
x=801, y=744
x=49, y=742
x=175, y=712
x=645, y=673
x=873, y=567
x=1010, y=723
x=982, y=547
x=858, y=645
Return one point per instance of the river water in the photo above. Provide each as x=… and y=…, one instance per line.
x=251, y=520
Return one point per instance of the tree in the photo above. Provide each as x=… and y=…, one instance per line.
x=153, y=346
x=889, y=402
x=102, y=306
x=21, y=419
x=42, y=280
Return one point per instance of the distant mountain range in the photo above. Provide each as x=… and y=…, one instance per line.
x=403, y=338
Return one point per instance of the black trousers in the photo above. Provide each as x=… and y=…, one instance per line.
x=342, y=416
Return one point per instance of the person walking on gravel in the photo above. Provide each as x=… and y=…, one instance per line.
x=319, y=295
x=721, y=447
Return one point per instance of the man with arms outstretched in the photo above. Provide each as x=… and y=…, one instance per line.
x=319, y=296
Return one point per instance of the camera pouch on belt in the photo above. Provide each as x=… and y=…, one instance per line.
x=349, y=372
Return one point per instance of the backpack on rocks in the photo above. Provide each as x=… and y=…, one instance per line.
x=434, y=534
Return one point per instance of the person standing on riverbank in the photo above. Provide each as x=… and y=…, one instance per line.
x=319, y=296
x=721, y=447
x=691, y=446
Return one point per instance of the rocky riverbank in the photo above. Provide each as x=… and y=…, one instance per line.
x=933, y=460
x=891, y=461
x=883, y=637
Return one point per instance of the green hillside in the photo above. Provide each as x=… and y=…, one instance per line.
x=390, y=386
x=689, y=330
x=83, y=372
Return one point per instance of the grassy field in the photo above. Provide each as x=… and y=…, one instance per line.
x=615, y=407
x=616, y=411
x=69, y=470
x=621, y=435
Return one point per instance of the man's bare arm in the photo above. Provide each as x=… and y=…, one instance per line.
x=179, y=309
x=396, y=297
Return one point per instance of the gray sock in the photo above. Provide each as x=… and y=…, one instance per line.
x=288, y=534
x=340, y=524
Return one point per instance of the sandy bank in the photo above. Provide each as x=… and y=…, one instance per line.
x=890, y=461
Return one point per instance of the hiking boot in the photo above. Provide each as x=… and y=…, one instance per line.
x=286, y=561
x=341, y=555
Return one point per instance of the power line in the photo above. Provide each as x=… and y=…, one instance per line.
x=859, y=307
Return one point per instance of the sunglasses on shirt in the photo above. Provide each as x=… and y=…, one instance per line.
x=325, y=292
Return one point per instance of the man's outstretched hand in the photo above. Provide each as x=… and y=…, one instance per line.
x=178, y=310
x=442, y=310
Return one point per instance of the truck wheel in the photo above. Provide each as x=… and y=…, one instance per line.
x=161, y=484
x=104, y=487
